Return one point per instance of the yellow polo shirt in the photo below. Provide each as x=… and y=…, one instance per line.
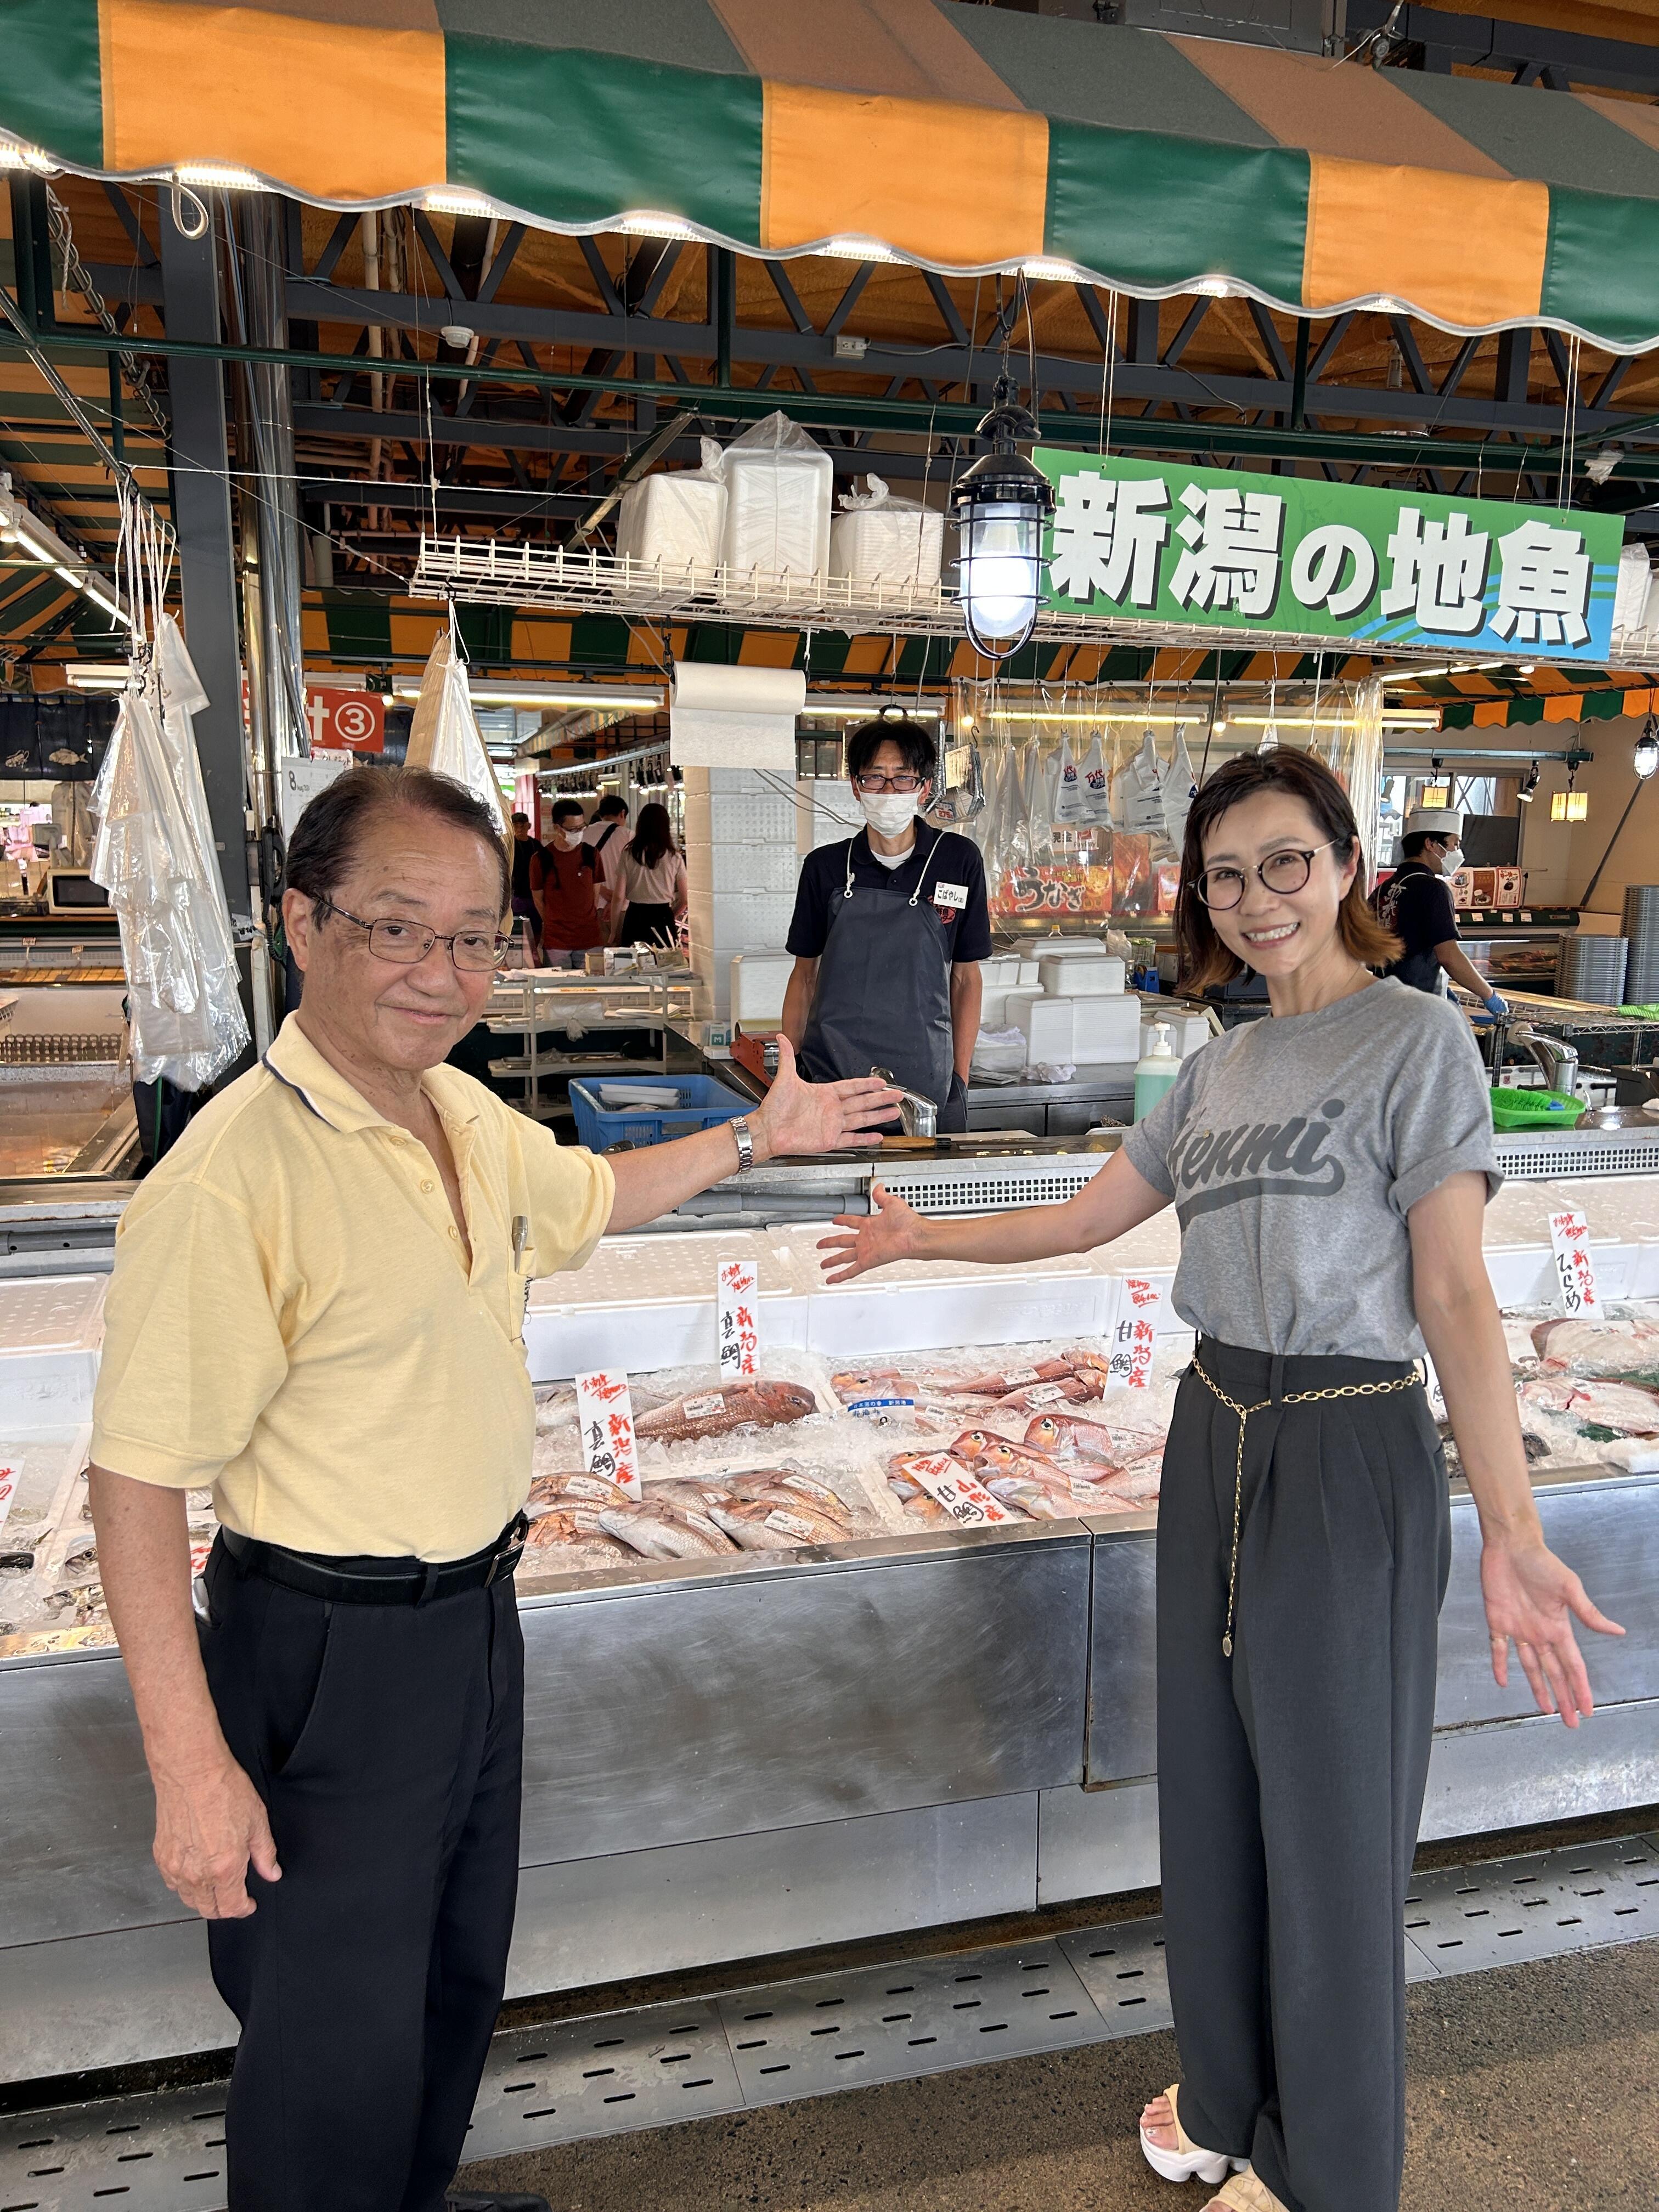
x=291, y=1320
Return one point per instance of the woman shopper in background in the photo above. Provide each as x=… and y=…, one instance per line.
x=1329, y=1167
x=653, y=882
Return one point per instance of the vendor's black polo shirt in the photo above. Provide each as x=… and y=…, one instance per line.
x=1416, y=905
x=946, y=857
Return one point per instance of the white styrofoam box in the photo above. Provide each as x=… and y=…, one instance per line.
x=738, y=804
x=895, y=544
x=1188, y=1033
x=758, y=981
x=52, y=1328
x=643, y=1303
x=1104, y=1028
x=1072, y=977
x=1000, y=972
x=1069, y=948
x=999, y=1055
x=1048, y=1024
x=734, y=867
x=743, y=921
x=676, y=516
x=993, y=1010
x=915, y=1306
x=777, y=510
x=1524, y=1274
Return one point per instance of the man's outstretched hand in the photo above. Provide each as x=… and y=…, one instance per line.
x=819, y=1117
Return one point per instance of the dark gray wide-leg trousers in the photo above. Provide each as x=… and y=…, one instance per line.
x=1290, y=1777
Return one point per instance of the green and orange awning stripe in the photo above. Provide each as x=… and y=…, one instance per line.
x=960, y=138
x=1635, y=700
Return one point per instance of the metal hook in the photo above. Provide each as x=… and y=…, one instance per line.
x=178, y=194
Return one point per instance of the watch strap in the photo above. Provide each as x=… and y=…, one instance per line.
x=744, y=1142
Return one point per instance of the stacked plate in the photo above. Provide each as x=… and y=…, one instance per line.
x=1592, y=968
x=1641, y=926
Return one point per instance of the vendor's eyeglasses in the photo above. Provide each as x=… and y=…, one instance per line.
x=1221, y=888
x=408, y=943
x=902, y=781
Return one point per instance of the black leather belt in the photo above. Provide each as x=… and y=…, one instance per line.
x=373, y=1580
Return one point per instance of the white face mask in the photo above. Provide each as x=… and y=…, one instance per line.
x=890, y=812
x=571, y=838
x=1452, y=861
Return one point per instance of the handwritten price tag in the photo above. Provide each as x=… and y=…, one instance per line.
x=967, y=1502
x=1133, y=1333
x=604, y=1410
x=737, y=1291
x=9, y=1476
x=1575, y=1271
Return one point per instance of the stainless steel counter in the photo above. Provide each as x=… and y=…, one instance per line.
x=723, y=1762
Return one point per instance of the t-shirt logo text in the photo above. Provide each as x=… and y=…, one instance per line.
x=1261, y=1159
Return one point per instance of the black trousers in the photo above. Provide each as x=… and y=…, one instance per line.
x=385, y=1742
x=647, y=923
x=1291, y=1779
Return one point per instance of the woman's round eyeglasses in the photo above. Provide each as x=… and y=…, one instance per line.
x=408, y=943
x=1223, y=887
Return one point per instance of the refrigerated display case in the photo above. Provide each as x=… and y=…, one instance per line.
x=877, y=1720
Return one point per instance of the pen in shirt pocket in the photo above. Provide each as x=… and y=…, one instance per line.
x=521, y=1239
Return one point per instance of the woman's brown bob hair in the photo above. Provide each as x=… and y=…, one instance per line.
x=1205, y=960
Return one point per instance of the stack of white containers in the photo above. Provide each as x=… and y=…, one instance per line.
x=779, y=485
x=675, y=516
x=1079, y=1012
x=740, y=870
x=878, y=542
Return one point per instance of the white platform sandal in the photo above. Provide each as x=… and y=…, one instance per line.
x=1188, y=2161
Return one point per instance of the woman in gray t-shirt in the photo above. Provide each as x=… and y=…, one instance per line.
x=1330, y=1168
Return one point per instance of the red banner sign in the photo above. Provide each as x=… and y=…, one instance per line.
x=347, y=722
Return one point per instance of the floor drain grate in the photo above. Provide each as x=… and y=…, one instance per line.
x=616, y=2072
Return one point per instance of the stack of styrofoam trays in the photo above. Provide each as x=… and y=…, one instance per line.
x=1640, y=926
x=643, y=1303
x=1604, y=971
x=51, y=1330
x=914, y=1306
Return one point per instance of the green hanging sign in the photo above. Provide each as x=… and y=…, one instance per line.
x=1226, y=550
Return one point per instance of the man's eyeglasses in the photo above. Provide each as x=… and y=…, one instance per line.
x=408, y=943
x=1222, y=887
x=902, y=781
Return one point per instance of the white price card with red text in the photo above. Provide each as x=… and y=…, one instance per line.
x=604, y=1410
x=10, y=1475
x=966, y=1502
x=1575, y=1270
x=1134, y=1332
x=738, y=1292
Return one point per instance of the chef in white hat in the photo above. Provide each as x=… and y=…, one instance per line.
x=1416, y=905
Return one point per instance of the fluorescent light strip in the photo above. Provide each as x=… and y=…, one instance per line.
x=1405, y=718
x=455, y=203
x=648, y=224
x=1052, y=273
x=218, y=177
x=97, y=679
x=531, y=694
x=15, y=154
x=849, y=248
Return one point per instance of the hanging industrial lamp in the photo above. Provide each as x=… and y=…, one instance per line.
x=1002, y=504
x=1646, y=757
x=1529, y=790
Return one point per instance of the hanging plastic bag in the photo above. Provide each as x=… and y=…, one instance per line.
x=154, y=854
x=1096, y=794
x=444, y=735
x=675, y=516
x=1180, y=789
x=1138, y=801
x=877, y=541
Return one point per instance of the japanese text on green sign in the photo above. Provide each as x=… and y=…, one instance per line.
x=1223, y=549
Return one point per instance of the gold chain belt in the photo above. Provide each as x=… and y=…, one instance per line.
x=1243, y=1413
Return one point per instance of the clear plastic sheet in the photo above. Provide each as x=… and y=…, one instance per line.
x=155, y=854
x=445, y=736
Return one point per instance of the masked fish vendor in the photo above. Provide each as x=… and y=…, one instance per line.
x=889, y=929
x=317, y=1311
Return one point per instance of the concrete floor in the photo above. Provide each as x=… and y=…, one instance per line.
x=1532, y=2088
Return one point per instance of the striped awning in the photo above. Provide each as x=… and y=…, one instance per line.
x=957, y=137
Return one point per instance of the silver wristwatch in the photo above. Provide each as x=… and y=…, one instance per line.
x=746, y=1143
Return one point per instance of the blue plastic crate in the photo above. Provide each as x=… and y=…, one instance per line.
x=690, y=1102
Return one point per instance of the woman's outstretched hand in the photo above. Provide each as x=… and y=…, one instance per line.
x=888, y=1231
x=1531, y=1597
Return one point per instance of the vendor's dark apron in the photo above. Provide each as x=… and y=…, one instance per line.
x=884, y=993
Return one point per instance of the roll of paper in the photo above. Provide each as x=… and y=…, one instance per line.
x=726, y=717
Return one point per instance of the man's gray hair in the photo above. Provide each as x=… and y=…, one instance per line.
x=329, y=835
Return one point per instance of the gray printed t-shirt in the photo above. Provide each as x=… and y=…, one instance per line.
x=1294, y=1148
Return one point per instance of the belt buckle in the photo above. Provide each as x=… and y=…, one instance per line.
x=512, y=1550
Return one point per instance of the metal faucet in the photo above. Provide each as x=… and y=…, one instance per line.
x=917, y=1116
x=1559, y=1061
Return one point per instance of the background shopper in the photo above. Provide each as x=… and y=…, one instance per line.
x=527, y=883
x=573, y=892
x=607, y=833
x=651, y=881
x=316, y=1309
x=1330, y=1167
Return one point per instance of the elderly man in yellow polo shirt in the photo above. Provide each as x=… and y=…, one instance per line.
x=316, y=1309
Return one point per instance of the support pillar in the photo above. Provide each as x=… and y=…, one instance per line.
x=200, y=465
